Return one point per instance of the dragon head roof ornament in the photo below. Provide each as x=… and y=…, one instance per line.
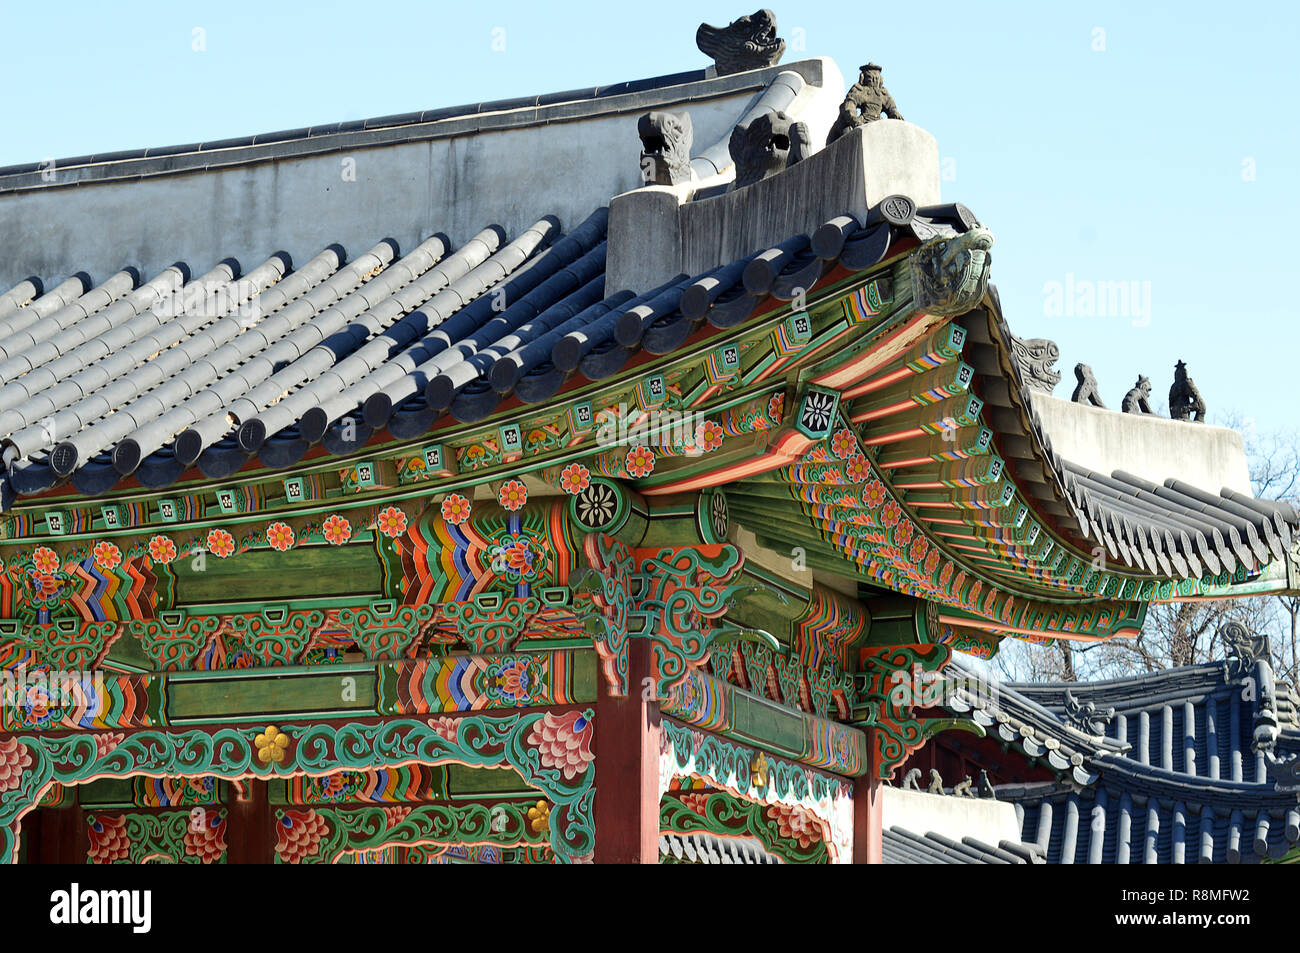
x=744, y=44
x=1086, y=716
x=666, y=139
x=950, y=275
x=769, y=144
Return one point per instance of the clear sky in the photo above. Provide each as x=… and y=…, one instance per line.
x=1137, y=164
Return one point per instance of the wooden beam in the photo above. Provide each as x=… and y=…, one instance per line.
x=868, y=796
x=627, y=767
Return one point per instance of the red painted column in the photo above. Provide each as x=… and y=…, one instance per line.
x=627, y=767
x=868, y=831
x=250, y=826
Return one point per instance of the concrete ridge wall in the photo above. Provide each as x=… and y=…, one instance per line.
x=655, y=233
x=920, y=812
x=1154, y=448
x=456, y=175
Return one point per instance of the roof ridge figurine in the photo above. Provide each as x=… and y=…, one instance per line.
x=1137, y=400
x=771, y=143
x=866, y=101
x=1185, y=401
x=666, y=139
x=1035, y=356
x=1086, y=391
x=1086, y=716
x=746, y=43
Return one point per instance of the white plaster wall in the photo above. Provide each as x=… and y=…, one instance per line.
x=1154, y=448
x=510, y=177
x=920, y=812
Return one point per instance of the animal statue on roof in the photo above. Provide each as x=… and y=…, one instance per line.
x=1086, y=716
x=950, y=275
x=1243, y=647
x=985, y=786
x=771, y=143
x=936, y=782
x=1035, y=357
x=963, y=788
x=1137, y=400
x=666, y=139
x=1086, y=391
x=1185, y=401
x=1285, y=772
x=744, y=44
x=912, y=780
x=867, y=101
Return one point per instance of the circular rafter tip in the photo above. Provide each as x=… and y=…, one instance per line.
x=252, y=434
x=311, y=427
x=894, y=209
x=377, y=410
x=64, y=458
x=126, y=457
x=188, y=447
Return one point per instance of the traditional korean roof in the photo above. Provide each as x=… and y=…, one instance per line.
x=901, y=846
x=701, y=848
x=1183, y=766
x=852, y=376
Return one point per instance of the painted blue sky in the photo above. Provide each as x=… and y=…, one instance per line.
x=1109, y=148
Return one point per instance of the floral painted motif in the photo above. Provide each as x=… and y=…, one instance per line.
x=280, y=536
x=391, y=522
x=332, y=785
x=946, y=574
x=107, y=555
x=796, y=824
x=873, y=494
x=514, y=681
x=109, y=841
x=891, y=513
x=298, y=835
x=516, y=558
x=205, y=836
x=513, y=495
x=776, y=406
x=14, y=760
x=563, y=742
x=917, y=552
x=855, y=468
x=696, y=802
x=640, y=461
x=455, y=509
x=220, y=543
x=931, y=562
x=574, y=479
x=45, y=588
x=843, y=443
x=271, y=744
x=708, y=436
x=45, y=559
x=162, y=549
x=36, y=707
x=903, y=535
x=444, y=728
x=539, y=817
x=337, y=530
x=394, y=814
x=107, y=742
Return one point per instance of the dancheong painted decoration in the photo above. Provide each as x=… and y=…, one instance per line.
x=600, y=520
